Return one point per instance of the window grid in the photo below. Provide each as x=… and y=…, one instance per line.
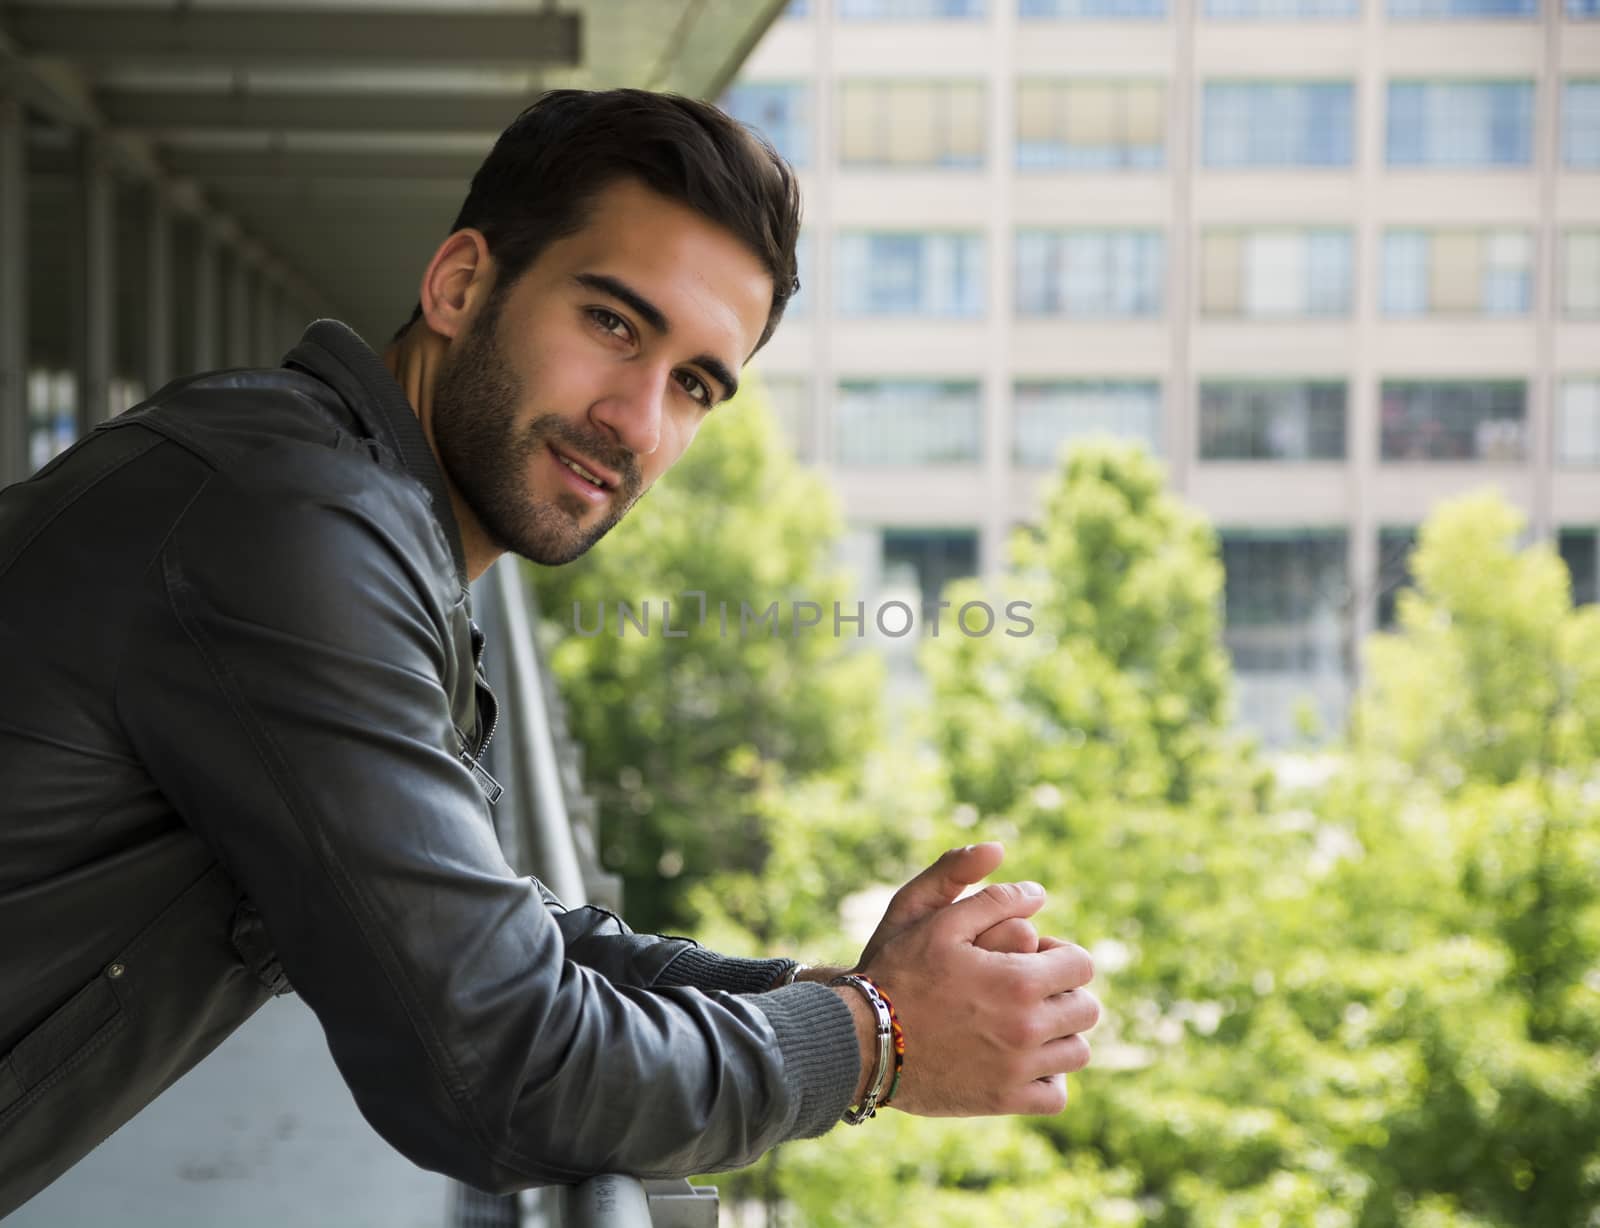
x=907, y=422
x=911, y=123
x=1580, y=273
x=1280, y=420
x=1469, y=9
x=1284, y=596
x=1089, y=273
x=1278, y=123
x=909, y=10
x=779, y=110
x=1050, y=414
x=1280, y=10
x=1460, y=123
x=910, y=274
x=1580, y=551
x=1578, y=422
x=1091, y=125
x=1451, y=420
x=1275, y=273
x=1092, y=10
x=1394, y=572
x=1580, y=123
x=1457, y=272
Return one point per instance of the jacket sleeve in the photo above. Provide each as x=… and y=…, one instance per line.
x=286, y=686
x=601, y=940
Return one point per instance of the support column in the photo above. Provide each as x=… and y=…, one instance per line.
x=205, y=298
x=13, y=294
x=238, y=348
x=99, y=287
x=158, y=292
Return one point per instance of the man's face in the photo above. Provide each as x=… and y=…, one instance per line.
x=605, y=356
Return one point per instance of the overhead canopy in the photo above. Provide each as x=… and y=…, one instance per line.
x=341, y=134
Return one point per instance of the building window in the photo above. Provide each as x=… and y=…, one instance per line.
x=1460, y=123
x=1264, y=274
x=908, y=422
x=1090, y=125
x=1093, y=10
x=52, y=414
x=1394, y=572
x=1580, y=551
x=1580, y=276
x=1457, y=272
x=911, y=123
x=780, y=111
x=1048, y=415
x=797, y=8
x=1278, y=123
x=1578, y=422
x=789, y=398
x=1276, y=10
x=1243, y=420
x=1403, y=9
x=800, y=305
x=1580, y=123
x=886, y=274
x=1089, y=273
x=928, y=559
x=1285, y=596
x=1453, y=420
x=1583, y=8
x=908, y=10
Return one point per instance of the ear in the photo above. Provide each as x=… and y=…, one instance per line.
x=456, y=281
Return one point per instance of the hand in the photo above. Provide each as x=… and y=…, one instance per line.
x=987, y=1031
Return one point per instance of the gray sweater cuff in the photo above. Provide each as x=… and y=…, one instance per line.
x=708, y=972
x=821, y=1055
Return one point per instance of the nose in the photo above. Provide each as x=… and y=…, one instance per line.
x=630, y=410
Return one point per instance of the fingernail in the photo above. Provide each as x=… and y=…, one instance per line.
x=1032, y=888
x=967, y=848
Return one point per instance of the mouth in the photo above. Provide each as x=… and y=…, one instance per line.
x=586, y=477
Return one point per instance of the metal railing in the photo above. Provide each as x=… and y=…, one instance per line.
x=543, y=822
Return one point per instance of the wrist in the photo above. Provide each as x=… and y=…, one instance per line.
x=865, y=1019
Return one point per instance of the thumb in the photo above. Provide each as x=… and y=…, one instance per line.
x=995, y=903
x=943, y=881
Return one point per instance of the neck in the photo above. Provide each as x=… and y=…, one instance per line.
x=415, y=359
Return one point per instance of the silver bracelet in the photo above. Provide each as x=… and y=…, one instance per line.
x=858, y=1113
x=791, y=976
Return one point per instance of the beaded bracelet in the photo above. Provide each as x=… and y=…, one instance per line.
x=891, y=1047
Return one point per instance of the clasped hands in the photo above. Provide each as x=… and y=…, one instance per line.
x=994, y=1014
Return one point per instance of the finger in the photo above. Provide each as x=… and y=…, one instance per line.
x=1067, y=1055
x=1014, y=936
x=1070, y=1013
x=1057, y=969
x=995, y=903
x=1042, y=1097
x=944, y=880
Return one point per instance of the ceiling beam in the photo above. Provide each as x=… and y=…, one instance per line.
x=298, y=36
x=323, y=111
x=290, y=165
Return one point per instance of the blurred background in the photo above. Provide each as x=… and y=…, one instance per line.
x=1254, y=343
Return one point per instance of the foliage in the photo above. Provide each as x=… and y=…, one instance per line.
x=1372, y=1002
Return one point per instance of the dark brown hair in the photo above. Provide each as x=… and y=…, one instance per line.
x=539, y=181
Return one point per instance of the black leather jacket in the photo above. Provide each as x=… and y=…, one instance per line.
x=239, y=711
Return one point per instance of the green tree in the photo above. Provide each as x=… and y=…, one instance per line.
x=684, y=734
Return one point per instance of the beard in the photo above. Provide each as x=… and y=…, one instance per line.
x=488, y=457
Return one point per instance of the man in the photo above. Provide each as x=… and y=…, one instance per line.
x=242, y=716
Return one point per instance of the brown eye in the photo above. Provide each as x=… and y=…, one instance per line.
x=696, y=388
x=611, y=322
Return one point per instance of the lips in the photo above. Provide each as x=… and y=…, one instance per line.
x=596, y=476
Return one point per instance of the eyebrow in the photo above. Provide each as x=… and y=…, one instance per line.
x=652, y=315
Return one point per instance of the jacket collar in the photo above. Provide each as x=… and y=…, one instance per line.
x=333, y=353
